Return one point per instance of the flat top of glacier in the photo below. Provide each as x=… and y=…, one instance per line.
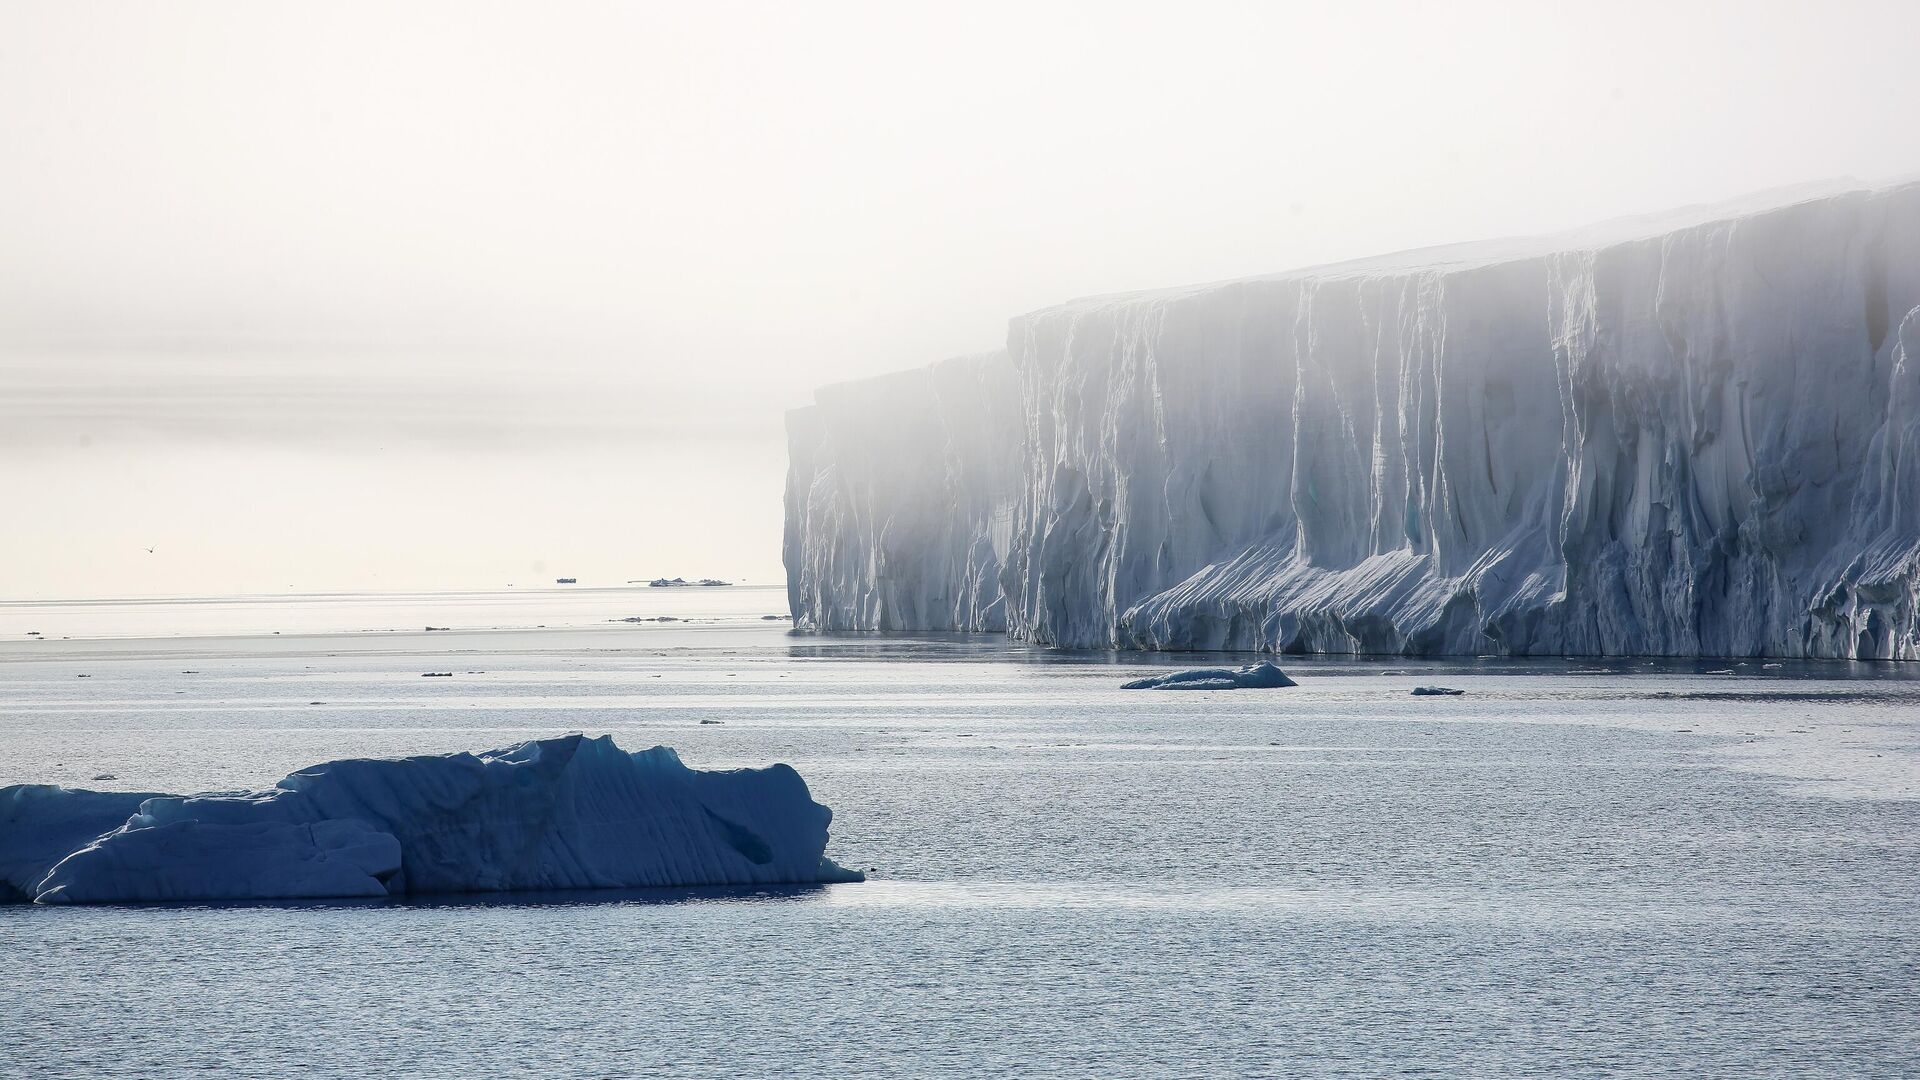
x=1472, y=254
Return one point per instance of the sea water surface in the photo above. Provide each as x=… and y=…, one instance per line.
x=1577, y=868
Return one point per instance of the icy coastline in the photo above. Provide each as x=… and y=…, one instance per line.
x=553, y=814
x=1691, y=435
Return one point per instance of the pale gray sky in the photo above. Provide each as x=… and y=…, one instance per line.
x=374, y=295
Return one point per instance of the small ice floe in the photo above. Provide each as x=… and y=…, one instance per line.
x=1436, y=691
x=1261, y=676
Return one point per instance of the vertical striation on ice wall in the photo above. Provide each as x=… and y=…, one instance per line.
x=897, y=506
x=1690, y=436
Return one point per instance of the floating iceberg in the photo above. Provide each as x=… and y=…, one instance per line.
x=565, y=813
x=1691, y=435
x=1260, y=676
x=1436, y=691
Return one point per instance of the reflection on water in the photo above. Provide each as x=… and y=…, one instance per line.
x=530, y=898
x=712, y=894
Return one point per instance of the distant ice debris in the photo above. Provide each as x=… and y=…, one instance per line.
x=1260, y=676
x=680, y=583
x=564, y=813
x=1436, y=691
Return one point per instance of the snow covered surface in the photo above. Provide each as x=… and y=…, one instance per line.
x=1261, y=676
x=564, y=813
x=1694, y=434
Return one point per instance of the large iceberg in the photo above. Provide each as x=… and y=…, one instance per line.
x=564, y=813
x=1691, y=435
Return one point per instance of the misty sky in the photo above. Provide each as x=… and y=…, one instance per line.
x=396, y=295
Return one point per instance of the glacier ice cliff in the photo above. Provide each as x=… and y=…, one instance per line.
x=564, y=813
x=895, y=507
x=1697, y=434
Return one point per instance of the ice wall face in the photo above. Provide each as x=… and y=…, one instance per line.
x=898, y=499
x=1692, y=439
